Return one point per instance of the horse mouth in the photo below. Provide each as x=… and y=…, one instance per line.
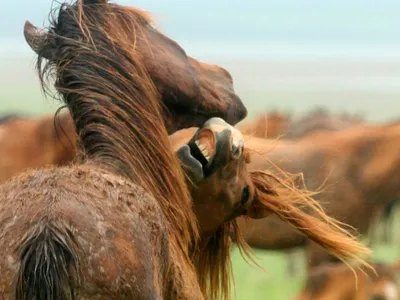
x=204, y=147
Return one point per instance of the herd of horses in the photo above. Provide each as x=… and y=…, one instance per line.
x=139, y=188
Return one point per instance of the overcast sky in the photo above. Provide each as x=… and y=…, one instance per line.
x=354, y=21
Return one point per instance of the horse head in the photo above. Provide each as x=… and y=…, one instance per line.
x=191, y=91
x=220, y=183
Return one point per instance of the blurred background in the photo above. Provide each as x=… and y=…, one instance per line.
x=287, y=55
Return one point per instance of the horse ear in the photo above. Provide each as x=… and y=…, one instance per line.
x=36, y=38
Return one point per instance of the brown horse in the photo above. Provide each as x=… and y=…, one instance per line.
x=120, y=223
x=355, y=168
x=316, y=120
x=31, y=143
x=193, y=91
x=337, y=282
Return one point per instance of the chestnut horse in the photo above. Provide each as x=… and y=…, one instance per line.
x=119, y=223
x=337, y=282
x=33, y=143
x=354, y=170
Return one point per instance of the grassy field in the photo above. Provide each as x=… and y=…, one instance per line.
x=20, y=92
x=273, y=281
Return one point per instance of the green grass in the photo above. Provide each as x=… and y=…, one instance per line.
x=274, y=282
x=269, y=282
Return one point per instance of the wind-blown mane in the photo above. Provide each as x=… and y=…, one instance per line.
x=115, y=105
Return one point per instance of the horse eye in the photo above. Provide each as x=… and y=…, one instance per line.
x=245, y=195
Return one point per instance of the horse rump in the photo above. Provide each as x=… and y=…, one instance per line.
x=49, y=264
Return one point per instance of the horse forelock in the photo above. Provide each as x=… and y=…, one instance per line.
x=115, y=106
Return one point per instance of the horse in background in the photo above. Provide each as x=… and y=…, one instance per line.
x=337, y=282
x=33, y=143
x=353, y=170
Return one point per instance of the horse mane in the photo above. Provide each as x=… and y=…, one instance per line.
x=115, y=106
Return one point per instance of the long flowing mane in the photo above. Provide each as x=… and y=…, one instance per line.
x=115, y=105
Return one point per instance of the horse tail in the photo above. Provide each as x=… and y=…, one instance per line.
x=49, y=264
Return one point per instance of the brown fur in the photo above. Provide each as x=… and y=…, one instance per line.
x=336, y=282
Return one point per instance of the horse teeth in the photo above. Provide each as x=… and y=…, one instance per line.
x=201, y=146
x=204, y=151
